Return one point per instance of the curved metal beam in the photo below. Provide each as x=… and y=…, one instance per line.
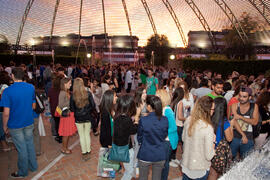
x=203, y=21
x=80, y=20
x=104, y=22
x=128, y=21
x=149, y=16
x=177, y=23
x=262, y=8
x=226, y=9
x=53, y=21
x=26, y=12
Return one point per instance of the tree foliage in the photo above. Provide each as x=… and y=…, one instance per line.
x=159, y=44
x=235, y=48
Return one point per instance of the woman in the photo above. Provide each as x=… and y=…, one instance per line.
x=263, y=102
x=53, y=96
x=140, y=97
x=152, y=131
x=4, y=83
x=222, y=129
x=106, y=113
x=124, y=127
x=172, y=139
x=176, y=105
x=170, y=86
x=105, y=85
x=188, y=102
x=198, y=137
x=82, y=103
x=113, y=79
x=67, y=124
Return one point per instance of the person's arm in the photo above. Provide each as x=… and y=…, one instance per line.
x=254, y=120
x=209, y=143
x=156, y=83
x=180, y=112
x=140, y=132
x=228, y=132
x=72, y=104
x=5, y=119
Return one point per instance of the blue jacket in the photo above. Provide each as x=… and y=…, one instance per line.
x=172, y=131
x=151, y=137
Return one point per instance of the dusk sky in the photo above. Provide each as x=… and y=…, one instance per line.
x=41, y=13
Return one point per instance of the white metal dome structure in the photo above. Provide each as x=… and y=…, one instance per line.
x=24, y=19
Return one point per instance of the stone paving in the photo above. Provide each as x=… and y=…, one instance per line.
x=69, y=167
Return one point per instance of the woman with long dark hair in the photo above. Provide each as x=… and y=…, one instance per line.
x=222, y=128
x=152, y=132
x=263, y=102
x=123, y=128
x=176, y=105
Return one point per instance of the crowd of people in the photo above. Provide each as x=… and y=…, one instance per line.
x=143, y=115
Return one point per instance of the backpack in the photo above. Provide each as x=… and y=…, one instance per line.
x=40, y=107
x=222, y=161
x=257, y=128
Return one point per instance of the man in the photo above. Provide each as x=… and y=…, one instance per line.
x=18, y=101
x=203, y=90
x=245, y=115
x=128, y=80
x=217, y=87
x=151, y=83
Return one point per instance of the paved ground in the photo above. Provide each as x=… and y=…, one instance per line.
x=55, y=166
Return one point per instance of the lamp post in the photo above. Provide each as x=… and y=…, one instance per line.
x=88, y=55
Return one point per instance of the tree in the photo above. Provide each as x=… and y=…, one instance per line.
x=235, y=48
x=4, y=44
x=159, y=45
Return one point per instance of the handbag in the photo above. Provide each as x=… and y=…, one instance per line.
x=106, y=167
x=61, y=112
x=222, y=161
x=119, y=153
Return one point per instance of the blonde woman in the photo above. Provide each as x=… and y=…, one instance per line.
x=199, y=141
x=67, y=124
x=172, y=139
x=82, y=104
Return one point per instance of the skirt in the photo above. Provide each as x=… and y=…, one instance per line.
x=67, y=125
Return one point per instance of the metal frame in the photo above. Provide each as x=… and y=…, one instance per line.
x=262, y=8
x=53, y=21
x=177, y=23
x=149, y=16
x=80, y=20
x=203, y=21
x=104, y=21
x=26, y=12
x=226, y=9
x=128, y=21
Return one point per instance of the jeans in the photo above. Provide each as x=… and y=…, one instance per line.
x=129, y=167
x=185, y=177
x=36, y=136
x=2, y=133
x=128, y=88
x=156, y=169
x=179, y=132
x=237, y=145
x=84, y=133
x=165, y=170
x=23, y=140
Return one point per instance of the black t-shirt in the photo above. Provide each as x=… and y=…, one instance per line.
x=265, y=115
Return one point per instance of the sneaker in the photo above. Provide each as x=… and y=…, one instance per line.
x=176, y=161
x=173, y=164
x=15, y=175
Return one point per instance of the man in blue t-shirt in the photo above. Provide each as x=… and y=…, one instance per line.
x=151, y=83
x=18, y=101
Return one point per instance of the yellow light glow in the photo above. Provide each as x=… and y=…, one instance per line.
x=172, y=57
x=64, y=43
x=32, y=42
x=88, y=55
x=202, y=44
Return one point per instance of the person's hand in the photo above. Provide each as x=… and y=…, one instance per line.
x=244, y=139
x=237, y=116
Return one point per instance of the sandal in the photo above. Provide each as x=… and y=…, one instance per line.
x=66, y=152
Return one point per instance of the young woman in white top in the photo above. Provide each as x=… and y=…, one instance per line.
x=199, y=141
x=176, y=106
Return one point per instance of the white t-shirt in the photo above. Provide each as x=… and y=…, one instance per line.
x=188, y=102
